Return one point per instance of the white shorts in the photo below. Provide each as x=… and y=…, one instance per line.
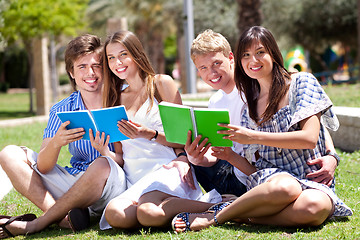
x=58, y=181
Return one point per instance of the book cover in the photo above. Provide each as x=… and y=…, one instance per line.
x=179, y=119
x=103, y=120
x=206, y=122
x=176, y=120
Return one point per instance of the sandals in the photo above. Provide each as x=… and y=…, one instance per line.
x=217, y=208
x=26, y=217
x=185, y=215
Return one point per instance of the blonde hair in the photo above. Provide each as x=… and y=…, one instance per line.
x=209, y=42
x=113, y=84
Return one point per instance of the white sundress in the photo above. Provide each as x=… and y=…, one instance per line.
x=143, y=161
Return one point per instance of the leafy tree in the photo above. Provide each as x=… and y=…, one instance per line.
x=25, y=20
x=155, y=20
x=315, y=25
x=151, y=21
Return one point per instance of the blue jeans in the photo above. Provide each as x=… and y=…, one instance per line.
x=220, y=176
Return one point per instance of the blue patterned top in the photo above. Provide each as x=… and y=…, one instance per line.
x=306, y=98
x=83, y=154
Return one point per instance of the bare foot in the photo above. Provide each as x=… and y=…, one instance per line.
x=196, y=221
x=16, y=228
x=64, y=223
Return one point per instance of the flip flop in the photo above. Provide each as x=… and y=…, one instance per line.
x=25, y=217
x=79, y=219
x=185, y=217
x=219, y=206
x=4, y=216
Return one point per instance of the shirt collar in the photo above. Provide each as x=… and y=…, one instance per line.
x=79, y=104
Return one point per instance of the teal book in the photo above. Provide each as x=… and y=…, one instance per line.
x=102, y=120
x=178, y=119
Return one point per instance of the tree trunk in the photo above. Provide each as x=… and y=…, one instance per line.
x=28, y=46
x=249, y=14
x=152, y=42
x=53, y=74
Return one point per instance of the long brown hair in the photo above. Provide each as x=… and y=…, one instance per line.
x=250, y=86
x=112, y=84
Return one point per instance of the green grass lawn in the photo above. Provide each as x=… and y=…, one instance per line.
x=347, y=174
x=348, y=188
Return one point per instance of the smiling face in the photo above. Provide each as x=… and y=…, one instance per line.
x=216, y=70
x=87, y=72
x=257, y=62
x=120, y=61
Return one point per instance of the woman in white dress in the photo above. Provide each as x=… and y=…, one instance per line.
x=160, y=180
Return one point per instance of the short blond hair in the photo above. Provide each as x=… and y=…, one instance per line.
x=209, y=42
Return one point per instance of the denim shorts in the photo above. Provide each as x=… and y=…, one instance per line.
x=220, y=177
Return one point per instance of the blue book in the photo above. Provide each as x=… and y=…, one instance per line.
x=102, y=120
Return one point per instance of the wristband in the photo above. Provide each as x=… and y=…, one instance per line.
x=182, y=154
x=155, y=136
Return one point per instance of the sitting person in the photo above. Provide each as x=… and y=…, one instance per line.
x=93, y=179
x=218, y=168
x=146, y=152
x=280, y=124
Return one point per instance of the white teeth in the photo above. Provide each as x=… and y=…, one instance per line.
x=90, y=81
x=215, y=80
x=121, y=69
x=256, y=68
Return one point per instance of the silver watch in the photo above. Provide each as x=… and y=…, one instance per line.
x=334, y=154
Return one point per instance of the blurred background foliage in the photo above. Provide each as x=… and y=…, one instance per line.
x=314, y=25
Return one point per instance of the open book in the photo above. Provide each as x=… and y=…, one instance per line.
x=178, y=119
x=102, y=120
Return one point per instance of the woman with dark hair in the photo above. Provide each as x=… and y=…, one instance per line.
x=155, y=193
x=281, y=126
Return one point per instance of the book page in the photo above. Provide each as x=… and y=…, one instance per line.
x=106, y=121
x=206, y=122
x=78, y=119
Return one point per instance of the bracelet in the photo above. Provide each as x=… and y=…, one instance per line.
x=182, y=154
x=155, y=136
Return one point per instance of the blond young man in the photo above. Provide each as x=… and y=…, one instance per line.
x=221, y=168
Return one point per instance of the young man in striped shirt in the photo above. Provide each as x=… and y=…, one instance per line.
x=67, y=195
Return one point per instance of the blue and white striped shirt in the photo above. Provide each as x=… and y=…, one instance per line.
x=83, y=154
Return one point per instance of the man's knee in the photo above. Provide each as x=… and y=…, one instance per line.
x=12, y=153
x=100, y=167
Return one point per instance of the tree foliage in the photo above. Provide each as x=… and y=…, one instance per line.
x=27, y=19
x=313, y=24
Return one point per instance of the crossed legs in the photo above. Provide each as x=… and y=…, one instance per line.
x=86, y=191
x=279, y=201
x=154, y=209
x=25, y=180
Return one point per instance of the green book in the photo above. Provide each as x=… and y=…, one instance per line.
x=178, y=119
x=103, y=120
